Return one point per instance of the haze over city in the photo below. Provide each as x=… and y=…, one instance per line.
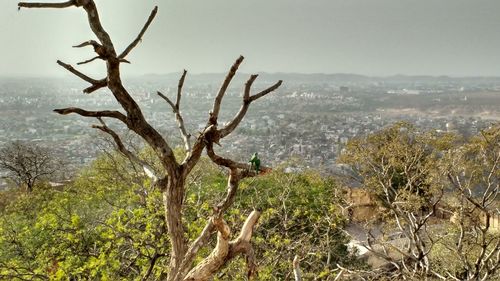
x=380, y=38
x=366, y=147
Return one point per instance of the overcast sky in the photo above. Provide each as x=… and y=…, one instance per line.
x=372, y=37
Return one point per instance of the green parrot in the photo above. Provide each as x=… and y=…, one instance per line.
x=255, y=161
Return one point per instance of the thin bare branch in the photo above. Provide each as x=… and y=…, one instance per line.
x=178, y=117
x=243, y=109
x=179, y=89
x=167, y=100
x=266, y=91
x=92, y=43
x=47, y=5
x=124, y=61
x=139, y=37
x=180, y=123
x=77, y=73
x=105, y=113
x=148, y=169
x=214, y=114
x=101, y=84
x=99, y=49
x=247, y=99
x=89, y=60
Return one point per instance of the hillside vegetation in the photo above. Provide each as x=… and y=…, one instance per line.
x=434, y=216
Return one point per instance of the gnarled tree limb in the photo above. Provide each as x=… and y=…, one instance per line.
x=231, y=164
x=105, y=113
x=203, y=238
x=47, y=5
x=225, y=250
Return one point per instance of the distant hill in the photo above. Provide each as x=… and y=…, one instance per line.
x=320, y=78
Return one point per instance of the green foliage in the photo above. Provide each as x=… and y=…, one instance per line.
x=300, y=217
x=109, y=225
x=439, y=192
x=398, y=163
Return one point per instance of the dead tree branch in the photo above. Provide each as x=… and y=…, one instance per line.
x=247, y=100
x=178, y=117
x=296, y=268
x=77, y=73
x=89, y=60
x=214, y=114
x=105, y=113
x=139, y=37
x=225, y=250
x=96, y=84
x=101, y=84
x=148, y=169
x=48, y=5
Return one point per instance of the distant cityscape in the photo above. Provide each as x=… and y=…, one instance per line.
x=311, y=117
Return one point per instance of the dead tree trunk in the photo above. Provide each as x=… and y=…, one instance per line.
x=172, y=184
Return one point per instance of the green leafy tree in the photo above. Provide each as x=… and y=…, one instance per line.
x=472, y=246
x=398, y=166
x=108, y=225
x=421, y=178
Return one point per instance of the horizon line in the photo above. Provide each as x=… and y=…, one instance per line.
x=38, y=76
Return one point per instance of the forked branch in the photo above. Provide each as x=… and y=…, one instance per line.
x=99, y=49
x=232, y=165
x=247, y=100
x=204, y=237
x=101, y=84
x=178, y=117
x=224, y=251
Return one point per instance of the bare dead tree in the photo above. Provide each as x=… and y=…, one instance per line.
x=172, y=179
x=27, y=163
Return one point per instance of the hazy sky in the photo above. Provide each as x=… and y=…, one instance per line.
x=373, y=37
